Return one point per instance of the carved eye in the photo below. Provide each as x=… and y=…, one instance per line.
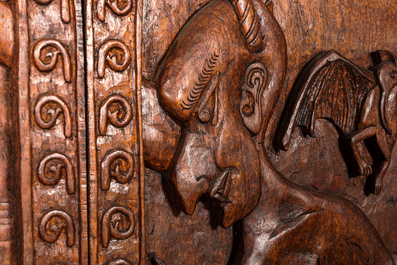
x=393, y=74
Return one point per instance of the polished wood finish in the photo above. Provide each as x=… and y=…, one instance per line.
x=174, y=132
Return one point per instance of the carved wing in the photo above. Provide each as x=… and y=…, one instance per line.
x=330, y=87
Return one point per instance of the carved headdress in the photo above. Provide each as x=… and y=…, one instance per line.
x=221, y=36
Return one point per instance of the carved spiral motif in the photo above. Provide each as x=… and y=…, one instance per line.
x=119, y=223
x=51, y=225
x=53, y=114
x=55, y=163
x=117, y=110
x=113, y=60
x=119, y=262
x=114, y=6
x=65, y=9
x=60, y=50
x=112, y=165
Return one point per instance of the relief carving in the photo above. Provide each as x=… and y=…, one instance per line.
x=52, y=106
x=47, y=62
x=119, y=7
x=221, y=153
x=119, y=262
x=115, y=109
x=60, y=166
x=118, y=222
x=361, y=103
x=52, y=224
x=118, y=165
x=114, y=54
x=65, y=8
x=218, y=84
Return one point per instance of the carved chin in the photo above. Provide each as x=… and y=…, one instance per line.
x=237, y=206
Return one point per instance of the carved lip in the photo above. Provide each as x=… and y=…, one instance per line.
x=220, y=187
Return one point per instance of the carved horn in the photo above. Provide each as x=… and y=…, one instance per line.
x=249, y=24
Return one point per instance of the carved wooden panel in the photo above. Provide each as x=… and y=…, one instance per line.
x=52, y=132
x=116, y=181
x=265, y=129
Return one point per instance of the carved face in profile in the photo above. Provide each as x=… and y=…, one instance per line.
x=387, y=75
x=212, y=84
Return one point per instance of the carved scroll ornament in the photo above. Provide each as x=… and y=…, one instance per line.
x=50, y=232
x=117, y=110
x=65, y=9
x=53, y=57
x=116, y=6
x=119, y=223
x=62, y=163
x=53, y=114
x=112, y=166
x=116, y=62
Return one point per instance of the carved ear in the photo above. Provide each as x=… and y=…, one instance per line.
x=253, y=85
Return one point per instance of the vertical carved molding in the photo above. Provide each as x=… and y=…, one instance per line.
x=113, y=84
x=51, y=90
x=8, y=170
x=25, y=181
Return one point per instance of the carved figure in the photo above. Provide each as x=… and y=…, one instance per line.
x=361, y=103
x=221, y=86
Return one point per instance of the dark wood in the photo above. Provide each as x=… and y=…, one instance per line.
x=175, y=132
x=359, y=102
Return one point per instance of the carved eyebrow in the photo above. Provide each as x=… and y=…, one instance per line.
x=205, y=76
